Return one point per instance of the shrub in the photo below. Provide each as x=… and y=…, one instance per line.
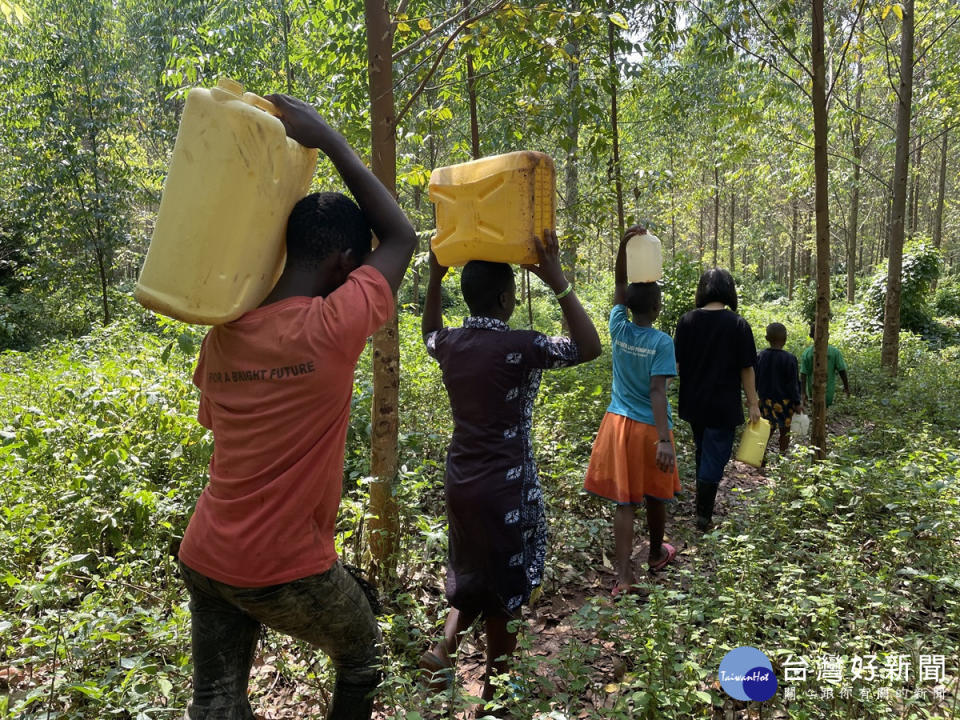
x=921, y=266
x=946, y=299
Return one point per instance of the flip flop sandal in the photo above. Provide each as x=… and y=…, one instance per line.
x=438, y=672
x=668, y=558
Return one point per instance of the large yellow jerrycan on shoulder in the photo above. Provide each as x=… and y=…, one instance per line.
x=219, y=245
x=490, y=209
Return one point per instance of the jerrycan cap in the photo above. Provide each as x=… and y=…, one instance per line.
x=230, y=85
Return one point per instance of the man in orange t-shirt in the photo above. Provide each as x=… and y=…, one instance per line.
x=275, y=389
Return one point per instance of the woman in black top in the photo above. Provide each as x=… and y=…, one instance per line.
x=716, y=355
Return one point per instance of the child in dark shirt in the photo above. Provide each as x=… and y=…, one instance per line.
x=777, y=383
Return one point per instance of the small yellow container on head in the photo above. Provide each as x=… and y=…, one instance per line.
x=491, y=209
x=218, y=246
x=753, y=442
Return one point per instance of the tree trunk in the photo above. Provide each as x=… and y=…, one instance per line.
x=890, y=347
x=818, y=431
x=571, y=170
x=284, y=32
x=854, y=225
x=793, y=249
x=472, y=96
x=673, y=208
x=941, y=190
x=700, y=240
x=716, y=213
x=914, y=205
x=733, y=207
x=615, y=127
x=384, y=520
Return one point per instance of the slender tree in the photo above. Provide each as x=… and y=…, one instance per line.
x=384, y=517
x=890, y=347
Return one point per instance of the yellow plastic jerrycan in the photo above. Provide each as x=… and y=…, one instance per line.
x=490, y=209
x=219, y=245
x=644, y=258
x=753, y=442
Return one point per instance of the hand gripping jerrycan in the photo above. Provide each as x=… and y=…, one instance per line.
x=491, y=209
x=219, y=245
x=644, y=258
x=753, y=442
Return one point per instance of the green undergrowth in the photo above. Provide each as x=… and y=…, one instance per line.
x=102, y=461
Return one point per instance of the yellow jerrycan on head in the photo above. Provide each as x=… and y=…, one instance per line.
x=753, y=442
x=219, y=245
x=491, y=209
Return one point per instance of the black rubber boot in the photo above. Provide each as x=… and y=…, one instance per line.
x=706, y=495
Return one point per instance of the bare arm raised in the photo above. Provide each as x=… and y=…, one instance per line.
x=432, y=319
x=549, y=270
x=396, y=236
x=620, y=268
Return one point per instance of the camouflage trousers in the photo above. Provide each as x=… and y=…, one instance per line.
x=328, y=611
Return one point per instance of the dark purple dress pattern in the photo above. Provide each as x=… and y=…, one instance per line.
x=497, y=538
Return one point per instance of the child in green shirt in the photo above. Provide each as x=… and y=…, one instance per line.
x=835, y=366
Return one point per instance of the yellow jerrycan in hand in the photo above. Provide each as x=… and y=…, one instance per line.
x=491, y=209
x=219, y=245
x=753, y=442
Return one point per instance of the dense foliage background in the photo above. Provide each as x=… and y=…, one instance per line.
x=102, y=460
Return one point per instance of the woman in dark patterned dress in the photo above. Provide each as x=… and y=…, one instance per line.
x=497, y=528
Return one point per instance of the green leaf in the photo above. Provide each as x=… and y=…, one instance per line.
x=619, y=20
x=186, y=344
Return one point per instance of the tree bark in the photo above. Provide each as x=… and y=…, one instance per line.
x=615, y=127
x=284, y=32
x=700, y=239
x=384, y=520
x=914, y=205
x=818, y=431
x=733, y=207
x=472, y=96
x=854, y=225
x=793, y=249
x=941, y=191
x=571, y=170
x=890, y=347
x=716, y=213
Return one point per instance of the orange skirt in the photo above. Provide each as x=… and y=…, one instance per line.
x=623, y=464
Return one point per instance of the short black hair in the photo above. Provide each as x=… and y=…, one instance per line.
x=481, y=283
x=323, y=223
x=642, y=297
x=776, y=333
x=716, y=285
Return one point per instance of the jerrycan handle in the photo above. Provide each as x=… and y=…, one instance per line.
x=262, y=103
x=234, y=88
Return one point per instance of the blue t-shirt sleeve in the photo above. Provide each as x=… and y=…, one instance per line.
x=619, y=318
x=664, y=360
